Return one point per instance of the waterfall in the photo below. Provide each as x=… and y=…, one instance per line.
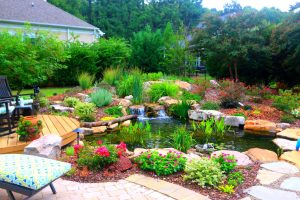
x=140, y=111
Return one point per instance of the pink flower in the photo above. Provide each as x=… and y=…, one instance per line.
x=99, y=142
x=77, y=148
x=102, y=151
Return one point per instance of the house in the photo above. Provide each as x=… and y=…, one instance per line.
x=41, y=15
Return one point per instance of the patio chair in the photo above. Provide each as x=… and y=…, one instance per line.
x=28, y=175
x=6, y=113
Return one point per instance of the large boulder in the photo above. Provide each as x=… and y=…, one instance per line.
x=290, y=133
x=125, y=103
x=153, y=109
x=183, y=85
x=168, y=101
x=60, y=108
x=241, y=158
x=48, y=146
x=260, y=126
x=286, y=145
x=200, y=115
x=262, y=155
x=99, y=129
x=292, y=157
x=235, y=121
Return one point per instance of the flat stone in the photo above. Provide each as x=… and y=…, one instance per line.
x=267, y=177
x=286, y=145
x=126, y=123
x=195, y=106
x=260, y=126
x=281, y=167
x=87, y=131
x=99, y=129
x=292, y=183
x=283, y=125
x=262, y=155
x=292, y=156
x=61, y=108
x=113, y=126
x=266, y=193
x=183, y=85
x=235, y=121
x=200, y=115
x=130, y=97
x=290, y=133
x=241, y=158
x=125, y=103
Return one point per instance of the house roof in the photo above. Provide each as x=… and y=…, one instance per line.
x=39, y=12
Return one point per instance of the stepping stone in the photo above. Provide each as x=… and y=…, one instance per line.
x=241, y=158
x=292, y=156
x=292, y=183
x=267, y=177
x=286, y=145
x=262, y=155
x=281, y=167
x=290, y=133
x=265, y=193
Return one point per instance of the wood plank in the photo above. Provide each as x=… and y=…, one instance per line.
x=69, y=139
x=75, y=121
x=50, y=125
x=45, y=130
x=71, y=123
x=66, y=124
x=61, y=130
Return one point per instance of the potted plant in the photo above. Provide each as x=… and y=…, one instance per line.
x=29, y=128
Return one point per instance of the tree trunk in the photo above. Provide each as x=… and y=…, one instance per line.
x=235, y=71
x=107, y=123
x=230, y=71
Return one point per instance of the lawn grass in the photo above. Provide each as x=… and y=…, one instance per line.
x=48, y=92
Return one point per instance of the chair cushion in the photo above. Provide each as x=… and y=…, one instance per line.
x=3, y=109
x=30, y=171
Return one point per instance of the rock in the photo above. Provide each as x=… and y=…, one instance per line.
x=235, y=121
x=167, y=101
x=286, y=145
x=260, y=125
x=130, y=97
x=290, y=133
x=121, y=165
x=81, y=136
x=195, y=106
x=125, y=103
x=61, y=108
x=87, y=131
x=200, y=115
x=75, y=143
x=126, y=123
x=292, y=183
x=162, y=100
x=242, y=159
x=152, y=107
x=113, y=126
x=99, y=129
x=267, y=177
x=283, y=125
x=214, y=83
x=48, y=146
x=292, y=156
x=137, y=109
x=183, y=85
x=281, y=167
x=147, y=85
x=266, y=193
x=205, y=148
x=262, y=155
x=124, y=111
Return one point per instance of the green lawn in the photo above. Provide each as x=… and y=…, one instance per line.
x=46, y=91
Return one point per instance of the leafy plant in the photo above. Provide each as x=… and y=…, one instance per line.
x=136, y=133
x=229, y=189
x=287, y=118
x=158, y=90
x=71, y=101
x=152, y=76
x=286, y=101
x=28, y=130
x=235, y=178
x=137, y=89
x=86, y=80
x=101, y=97
x=44, y=102
x=231, y=93
x=204, y=172
x=115, y=111
x=85, y=111
x=210, y=106
x=279, y=152
x=182, y=139
x=70, y=151
x=161, y=164
x=227, y=162
x=112, y=75
x=180, y=110
x=189, y=96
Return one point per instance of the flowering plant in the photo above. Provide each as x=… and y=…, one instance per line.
x=102, y=151
x=77, y=148
x=226, y=161
x=161, y=164
x=121, y=148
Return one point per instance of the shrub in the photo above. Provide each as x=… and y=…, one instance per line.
x=161, y=164
x=182, y=139
x=286, y=101
x=231, y=93
x=152, y=76
x=189, y=96
x=86, y=80
x=85, y=111
x=71, y=101
x=70, y=151
x=96, y=158
x=210, y=106
x=115, y=111
x=158, y=90
x=204, y=172
x=288, y=118
x=44, y=102
x=124, y=87
x=181, y=110
x=235, y=178
x=101, y=97
x=136, y=133
x=227, y=162
x=112, y=75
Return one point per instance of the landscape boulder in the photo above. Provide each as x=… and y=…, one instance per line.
x=126, y=123
x=60, y=108
x=235, y=121
x=292, y=157
x=99, y=129
x=129, y=97
x=168, y=101
x=48, y=146
x=286, y=145
x=200, y=115
x=125, y=103
x=290, y=133
x=262, y=155
x=184, y=85
x=260, y=126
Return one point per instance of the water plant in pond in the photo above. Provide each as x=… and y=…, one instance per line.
x=101, y=97
x=161, y=164
x=135, y=133
x=182, y=139
x=181, y=110
x=115, y=111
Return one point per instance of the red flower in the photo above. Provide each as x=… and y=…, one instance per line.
x=77, y=148
x=102, y=151
x=99, y=142
x=121, y=148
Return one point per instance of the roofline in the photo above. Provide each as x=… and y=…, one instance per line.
x=57, y=25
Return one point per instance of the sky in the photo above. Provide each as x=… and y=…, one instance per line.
x=283, y=5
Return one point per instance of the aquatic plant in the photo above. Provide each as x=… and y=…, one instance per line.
x=135, y=133
x=182, y=139
x=181, y=110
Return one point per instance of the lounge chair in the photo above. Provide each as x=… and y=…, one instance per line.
x=28, y=175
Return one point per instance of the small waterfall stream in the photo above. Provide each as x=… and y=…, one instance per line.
x=142, y=115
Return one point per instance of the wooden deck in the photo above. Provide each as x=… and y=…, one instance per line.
x=58, y=125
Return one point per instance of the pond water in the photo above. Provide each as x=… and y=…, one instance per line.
x=163, y=126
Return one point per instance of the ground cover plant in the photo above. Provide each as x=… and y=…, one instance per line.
x=115, y=111
x=101, y=97
x=85, y=111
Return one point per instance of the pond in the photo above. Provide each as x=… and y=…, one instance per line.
x=163, y=126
